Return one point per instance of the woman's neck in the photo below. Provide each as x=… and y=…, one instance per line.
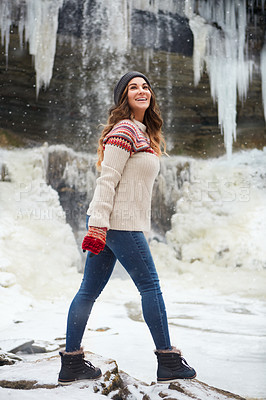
x=139, y=116
x=140, y=125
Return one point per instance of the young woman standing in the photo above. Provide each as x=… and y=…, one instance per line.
x=117, y=219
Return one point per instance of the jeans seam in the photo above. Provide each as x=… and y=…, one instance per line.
x=156, y=295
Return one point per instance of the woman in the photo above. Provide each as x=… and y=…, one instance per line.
x=118, y=217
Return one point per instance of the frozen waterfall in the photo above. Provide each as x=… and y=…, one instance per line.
x=218, y=223
x=220, y=44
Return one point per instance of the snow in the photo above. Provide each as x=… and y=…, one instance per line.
x=47, y=368
x=221, y=216
x=33, y=226
x=213, y=280
x=191, y=316
x=212, y=272
x=212, y=269
x=72, y=393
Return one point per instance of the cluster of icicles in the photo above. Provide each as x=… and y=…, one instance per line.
x=219, y=42
x=219, y=30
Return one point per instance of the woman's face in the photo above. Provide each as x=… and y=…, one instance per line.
x=139, y=96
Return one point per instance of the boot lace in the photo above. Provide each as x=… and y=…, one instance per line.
x=184, y=362
x=88, y=364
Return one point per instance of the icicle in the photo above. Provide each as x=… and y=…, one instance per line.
x=40, y=31
x=5, y=24
x=200, y=32
x=38, y=22
x=263, y=77
x=219, y=42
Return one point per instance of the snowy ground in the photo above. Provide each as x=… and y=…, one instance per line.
x=38, y=379
x=216, y=309
x=222, y=337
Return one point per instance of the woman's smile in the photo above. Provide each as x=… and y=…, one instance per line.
x=139, y=97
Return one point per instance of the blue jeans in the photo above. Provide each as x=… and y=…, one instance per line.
x=132, y=250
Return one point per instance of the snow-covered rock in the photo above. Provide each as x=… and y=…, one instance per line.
x=37, y=378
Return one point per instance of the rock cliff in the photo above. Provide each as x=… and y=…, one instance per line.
x=86, y=66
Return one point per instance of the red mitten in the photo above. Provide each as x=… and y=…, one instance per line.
x=95, y=240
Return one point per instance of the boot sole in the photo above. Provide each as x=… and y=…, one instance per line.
x=66, y=383
x=176, y=379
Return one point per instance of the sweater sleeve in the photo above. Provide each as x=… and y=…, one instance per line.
x=114, y=161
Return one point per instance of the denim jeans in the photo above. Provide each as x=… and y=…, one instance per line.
x=132, y=250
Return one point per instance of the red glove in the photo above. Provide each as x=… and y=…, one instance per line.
x=95, y=240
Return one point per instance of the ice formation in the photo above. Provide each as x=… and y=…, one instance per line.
x=218, y=231
x=263, y=77
x=220, y=218
x=219, y=31
x=38, y=24
x=33, y=224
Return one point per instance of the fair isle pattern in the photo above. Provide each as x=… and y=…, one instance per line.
x=119, y=142
x=129, y=137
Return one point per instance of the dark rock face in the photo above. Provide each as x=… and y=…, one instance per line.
x=166, y=31
x=172, y=32
x=74, y=196
x=80, y=91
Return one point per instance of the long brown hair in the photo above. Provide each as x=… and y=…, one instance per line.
x=152, y=120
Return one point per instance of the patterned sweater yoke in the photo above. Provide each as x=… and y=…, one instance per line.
x=128, y=136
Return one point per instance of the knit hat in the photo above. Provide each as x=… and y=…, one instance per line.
x=122, y=83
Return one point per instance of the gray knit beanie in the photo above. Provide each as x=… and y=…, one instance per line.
x=122, y=83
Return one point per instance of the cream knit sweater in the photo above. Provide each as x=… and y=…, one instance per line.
x=122, y=198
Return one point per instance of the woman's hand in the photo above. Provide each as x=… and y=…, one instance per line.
x=95, y=240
